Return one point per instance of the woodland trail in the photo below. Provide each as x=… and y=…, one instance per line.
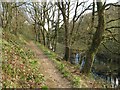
x=53, y=78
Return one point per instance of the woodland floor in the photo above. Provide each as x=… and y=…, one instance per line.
x=53, y=78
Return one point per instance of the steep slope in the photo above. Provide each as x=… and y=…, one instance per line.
x=20, y=68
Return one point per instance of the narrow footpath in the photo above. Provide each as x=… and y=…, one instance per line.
x=53, y=78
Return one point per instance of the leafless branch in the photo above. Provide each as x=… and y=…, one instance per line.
x=113, y=36
x=19, y=5
x=112, y=20
x=109, y=49
x=112, y=4
x=88, y=8
x=112, y=27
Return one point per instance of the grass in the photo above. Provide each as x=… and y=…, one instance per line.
x=19, y=65
x=44, y=88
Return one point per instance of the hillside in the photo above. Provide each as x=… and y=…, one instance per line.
x=20, y=67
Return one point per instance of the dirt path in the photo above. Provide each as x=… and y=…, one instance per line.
x=52, y=76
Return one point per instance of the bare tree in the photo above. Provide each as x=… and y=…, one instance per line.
x=65, y=15
x=70, y=26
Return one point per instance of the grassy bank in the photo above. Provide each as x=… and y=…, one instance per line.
x=20, y=68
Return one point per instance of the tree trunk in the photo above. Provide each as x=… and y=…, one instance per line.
x=67, y=53
x=48, y=35
x=43, y=35
x=9, y=17
x=97, y=38
x=39, y=33
x=15, y=30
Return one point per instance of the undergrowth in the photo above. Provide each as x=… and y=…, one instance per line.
x=20, y=68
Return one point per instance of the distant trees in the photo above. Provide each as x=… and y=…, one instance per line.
x=34, y=11
x=55, y=25
x=52, y=18
x=9, y=16
x=45, y=17
x=6, y=15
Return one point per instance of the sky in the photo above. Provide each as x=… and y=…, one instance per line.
x=112, y=1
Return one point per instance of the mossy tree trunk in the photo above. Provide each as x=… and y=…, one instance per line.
x=66, y=56
x=97, y=38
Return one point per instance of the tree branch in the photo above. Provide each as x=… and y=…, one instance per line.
x=112, y=20
x=110, y=50
x=88, y=8
x=19, y=5
x=112, y=4
x=112, y=27
x=113, y=36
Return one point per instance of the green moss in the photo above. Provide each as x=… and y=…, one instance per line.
x=44, y=87
x=76, y=81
